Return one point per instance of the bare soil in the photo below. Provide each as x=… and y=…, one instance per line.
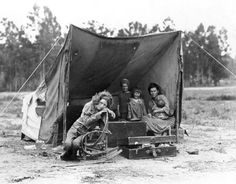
x=211, y=126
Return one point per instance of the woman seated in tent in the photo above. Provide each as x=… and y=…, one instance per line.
x=159, y=116
x=93, y=114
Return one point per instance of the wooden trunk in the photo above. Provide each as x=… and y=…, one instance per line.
x=122, y=130
x=147, y=152
x=133, y=140
x=142, y=140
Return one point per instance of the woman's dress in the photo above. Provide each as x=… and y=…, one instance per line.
x=159, y=121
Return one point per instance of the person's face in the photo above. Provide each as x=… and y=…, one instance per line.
x=136, y=95
x=125, y=87
x=101, y=105
x=154, y=92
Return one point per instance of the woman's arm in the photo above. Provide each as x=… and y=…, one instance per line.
x=158, y=110
x=86, y=108
x=150, y=106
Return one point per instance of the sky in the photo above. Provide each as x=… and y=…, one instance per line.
x=186, y=14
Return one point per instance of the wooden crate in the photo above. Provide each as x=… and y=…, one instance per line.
x=147, y=152
x=121, y=130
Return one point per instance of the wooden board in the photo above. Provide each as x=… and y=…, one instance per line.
x=147, y=152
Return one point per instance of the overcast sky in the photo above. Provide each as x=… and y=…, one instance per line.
x=187, y=14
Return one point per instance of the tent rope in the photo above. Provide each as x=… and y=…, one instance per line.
x=30, y=76
x=209, y=54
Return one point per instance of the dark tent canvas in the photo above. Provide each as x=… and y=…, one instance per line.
x=89, y=63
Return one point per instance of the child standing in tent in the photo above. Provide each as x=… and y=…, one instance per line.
x=123, y=100
x=136, y=107
x=93, y=114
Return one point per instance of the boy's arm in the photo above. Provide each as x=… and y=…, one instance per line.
x=129, y=111
x=118, y=110
x=144, y=108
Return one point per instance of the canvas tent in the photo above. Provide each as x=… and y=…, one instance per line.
x=89, y=63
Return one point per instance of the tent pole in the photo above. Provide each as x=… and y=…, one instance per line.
x=179, y=92
x=66, y=98
x=177, y=112
x=179, y=105
x=67, y=76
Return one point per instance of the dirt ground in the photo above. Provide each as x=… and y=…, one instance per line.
x=208, y=116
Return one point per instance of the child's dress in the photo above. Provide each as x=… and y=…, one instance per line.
x=136, y=109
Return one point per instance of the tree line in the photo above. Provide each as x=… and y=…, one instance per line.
x=22, y=48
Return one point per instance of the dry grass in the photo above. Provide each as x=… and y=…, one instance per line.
x=222, y=97
x=217, y=93
x=214, y=107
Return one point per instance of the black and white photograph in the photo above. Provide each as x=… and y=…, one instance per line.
x=117, y=92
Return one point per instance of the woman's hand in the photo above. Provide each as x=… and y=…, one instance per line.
x=113, y=115
x=106, y=110
x=103, y=111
